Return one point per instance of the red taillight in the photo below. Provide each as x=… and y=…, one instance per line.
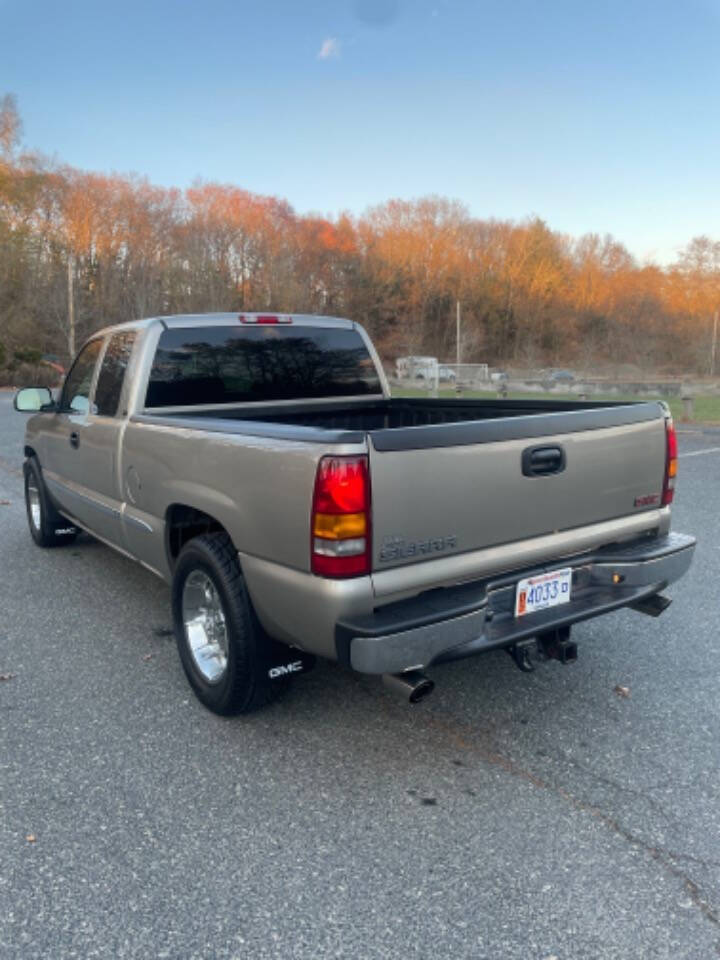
x=263, y=318
x=340, y=522
x=670, y=463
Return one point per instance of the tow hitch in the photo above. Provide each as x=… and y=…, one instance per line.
x=557, y=645
x=551, y=645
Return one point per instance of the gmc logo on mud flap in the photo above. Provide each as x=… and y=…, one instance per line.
x=294, y=667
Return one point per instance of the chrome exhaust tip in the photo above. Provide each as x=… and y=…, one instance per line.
x=412, y=686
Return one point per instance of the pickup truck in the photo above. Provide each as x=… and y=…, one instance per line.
x=258, y=463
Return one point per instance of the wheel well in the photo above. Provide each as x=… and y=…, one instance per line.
x=183, y=523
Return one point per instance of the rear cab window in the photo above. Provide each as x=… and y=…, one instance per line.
x=112, y=374
x=214, y=365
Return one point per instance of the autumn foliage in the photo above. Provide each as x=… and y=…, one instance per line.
x=530, y=296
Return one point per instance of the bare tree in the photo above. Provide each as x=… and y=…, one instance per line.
x=10, y=125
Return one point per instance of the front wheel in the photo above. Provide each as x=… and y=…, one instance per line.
x=222, y=647
x=47, y=527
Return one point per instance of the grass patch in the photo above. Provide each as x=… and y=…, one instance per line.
x=707, y=408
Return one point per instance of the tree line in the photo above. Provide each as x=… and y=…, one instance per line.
x=81, y=250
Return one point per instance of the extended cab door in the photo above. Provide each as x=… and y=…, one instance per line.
x=101, y=438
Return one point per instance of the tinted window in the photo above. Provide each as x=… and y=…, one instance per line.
x=235, y=364
x=112, y=373
x=77, y=385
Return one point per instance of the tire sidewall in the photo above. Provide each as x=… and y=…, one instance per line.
x=46, y=535
x=221, y=695
x=40, y=534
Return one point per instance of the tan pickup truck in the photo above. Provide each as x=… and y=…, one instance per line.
x=259, y=464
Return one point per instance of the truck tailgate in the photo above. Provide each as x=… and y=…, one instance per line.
x=432, y=500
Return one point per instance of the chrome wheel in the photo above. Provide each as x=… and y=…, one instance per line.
x=33, y=496
x=205, y=627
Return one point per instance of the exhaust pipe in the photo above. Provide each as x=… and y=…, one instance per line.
x=653, y=606
x=412, y=685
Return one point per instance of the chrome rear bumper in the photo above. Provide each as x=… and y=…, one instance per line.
x=456, y=622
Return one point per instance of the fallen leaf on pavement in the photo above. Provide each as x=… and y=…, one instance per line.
x=6, y=676
x=31, y=838
x=148, y=656
x=622, y=691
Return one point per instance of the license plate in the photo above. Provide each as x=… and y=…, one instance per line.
x=541, y=592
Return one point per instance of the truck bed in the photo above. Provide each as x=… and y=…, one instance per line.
x=397, y=413
x=393, y=423
x=450, y=476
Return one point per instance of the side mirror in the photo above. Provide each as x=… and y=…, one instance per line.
x=80, y=404
x=33, y=400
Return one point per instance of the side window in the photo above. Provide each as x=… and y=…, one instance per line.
x=76, y=391
x=112, y=374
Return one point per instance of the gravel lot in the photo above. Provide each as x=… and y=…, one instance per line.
x=508, y=816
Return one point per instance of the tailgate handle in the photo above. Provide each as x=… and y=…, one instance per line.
x=543, y=461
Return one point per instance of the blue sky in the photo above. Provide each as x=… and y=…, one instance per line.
x=596, y=116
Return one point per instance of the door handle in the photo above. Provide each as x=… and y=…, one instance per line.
x=543, y=461
x=74, y=439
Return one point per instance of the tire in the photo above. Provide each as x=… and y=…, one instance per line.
x=48, y=528
x=224, y=650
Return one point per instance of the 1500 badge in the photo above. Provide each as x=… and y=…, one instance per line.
x=398, y=548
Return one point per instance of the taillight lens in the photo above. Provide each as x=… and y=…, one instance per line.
x=340, y=522
x=670, y=463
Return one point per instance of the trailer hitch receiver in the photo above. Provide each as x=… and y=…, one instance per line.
x=557, y=645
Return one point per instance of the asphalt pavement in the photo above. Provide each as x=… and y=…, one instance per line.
x=507, y=816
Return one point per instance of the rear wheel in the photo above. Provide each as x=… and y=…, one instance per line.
x=47, y=527
x=222, y=647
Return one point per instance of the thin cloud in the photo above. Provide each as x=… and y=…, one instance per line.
x=330, y=49
x=377, y=13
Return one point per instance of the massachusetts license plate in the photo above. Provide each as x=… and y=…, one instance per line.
x=546, y=590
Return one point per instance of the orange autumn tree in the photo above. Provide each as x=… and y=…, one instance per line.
x=692, y=293
x=80, y=250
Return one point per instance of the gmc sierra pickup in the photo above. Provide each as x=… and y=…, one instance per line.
x=259, y=464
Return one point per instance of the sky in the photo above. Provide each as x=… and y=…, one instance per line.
x=595, y=116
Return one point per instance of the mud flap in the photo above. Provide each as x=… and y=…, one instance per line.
x=284, y=661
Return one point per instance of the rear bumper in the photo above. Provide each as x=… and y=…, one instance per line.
x=457, y=622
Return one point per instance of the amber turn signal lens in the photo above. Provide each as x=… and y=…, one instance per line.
x=342, y=526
